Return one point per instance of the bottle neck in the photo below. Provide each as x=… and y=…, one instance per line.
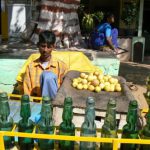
x=110, y=119
x=132, y=119
x=46, y=115
x=5, y=110
x=90, y=117
x=25, y=111
x=67, y=115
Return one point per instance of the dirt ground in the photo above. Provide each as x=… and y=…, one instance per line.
x=135, y=75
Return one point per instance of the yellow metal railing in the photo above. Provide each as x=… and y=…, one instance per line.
x=19, y=96
x=114, y=141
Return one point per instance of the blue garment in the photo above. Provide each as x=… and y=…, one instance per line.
x=98, y=36
x=104, y=28
x=114, y=34
x=49, y=87
x=101, y=32
x=48, y=83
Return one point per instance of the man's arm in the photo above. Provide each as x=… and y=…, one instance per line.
x=27, y=82
x=64, y=69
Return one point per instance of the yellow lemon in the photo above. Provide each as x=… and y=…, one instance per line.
x=89, y=83
x=94, y=77
x=115, y=81
x=85, y=86
x=117, y=85
x=118, y=88
x=107, y=83
x=97, y=89
x=112, y=88
x=74, y=84
x=100, y=77
x=107, y=88
x=111, y=80
x=82, y=75
x=95, y=82
x=96, y=73
x=108, y=76
x=79, y=79
x=79, y=86
x=75, y=80
x=102, y=81
x=90, y=78
x=102, y=85
x=84, y=81
x=86, y=76
x=105, y=78
x=91, y=74
x=91, y=88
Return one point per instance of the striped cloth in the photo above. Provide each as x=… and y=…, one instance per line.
x=60, y=16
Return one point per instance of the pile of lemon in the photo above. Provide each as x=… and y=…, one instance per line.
x=97, y=82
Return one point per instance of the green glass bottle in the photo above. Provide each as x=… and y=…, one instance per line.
x=25, y=124
x=67, y=127
x=88, y=127
x=109, y=129
x=145, y=133
x=130, y=130
x=46, y=124
x=6, y=122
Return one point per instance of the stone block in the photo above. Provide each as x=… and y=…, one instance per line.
x=109, y=63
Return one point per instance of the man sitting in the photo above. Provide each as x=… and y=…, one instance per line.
x=44, y=75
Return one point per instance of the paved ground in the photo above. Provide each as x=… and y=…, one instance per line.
x=134, y=73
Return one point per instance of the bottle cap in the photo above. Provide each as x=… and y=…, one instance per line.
x=25, y=98
x=3, y=96
x=112, y=102
x=46, y=99
x=133, y=103
x=90, y=101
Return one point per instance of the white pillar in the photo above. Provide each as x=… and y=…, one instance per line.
x=140, y=18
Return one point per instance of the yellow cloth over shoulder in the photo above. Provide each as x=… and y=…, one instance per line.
x=73, y=59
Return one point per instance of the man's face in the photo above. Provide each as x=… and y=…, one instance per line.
x=45, y=50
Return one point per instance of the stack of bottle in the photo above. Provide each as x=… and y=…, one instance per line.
x=88, y=129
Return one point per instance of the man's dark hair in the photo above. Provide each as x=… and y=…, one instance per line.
x=47, y=37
